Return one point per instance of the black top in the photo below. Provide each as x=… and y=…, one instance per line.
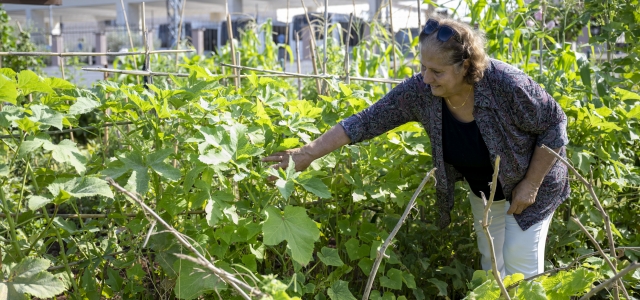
x=465, y=150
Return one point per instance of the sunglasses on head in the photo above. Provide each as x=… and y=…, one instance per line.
x=445, y=32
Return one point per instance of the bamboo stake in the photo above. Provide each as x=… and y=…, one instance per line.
x=419, y=14
x=393, y=40
x=238, y=81
x=200, y=259
x=147, y=41
x=184, y=3
x=313, y=47
x=347, y=71
x=126, y=22
x=381, y=253
x=68, y=54
x=230, y=34
x=298, y=58
x=286, y=38
x=326, y=36
x=485, y=227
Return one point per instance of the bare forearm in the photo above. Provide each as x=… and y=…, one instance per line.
x=326, y=143
x=540, y=164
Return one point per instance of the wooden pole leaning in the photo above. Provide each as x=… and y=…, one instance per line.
x=313, y=47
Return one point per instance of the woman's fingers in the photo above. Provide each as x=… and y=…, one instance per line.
x=276, y=157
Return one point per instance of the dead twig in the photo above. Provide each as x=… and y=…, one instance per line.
x=380, y=254
x=238, y=285
x=485, y=227
x=611, y=280
x=605, y=216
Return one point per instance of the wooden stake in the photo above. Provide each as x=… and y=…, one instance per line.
x=230, y=34
x=298, y=58
x=393, y=40
x=126, y=22
x=346, y=51
x=313, y=48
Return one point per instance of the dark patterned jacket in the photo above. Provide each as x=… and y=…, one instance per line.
x=514, y=114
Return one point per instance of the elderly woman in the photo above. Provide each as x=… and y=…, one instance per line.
x=473, y=109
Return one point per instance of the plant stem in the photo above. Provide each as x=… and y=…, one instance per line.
x=12, y=226
x=63, y=253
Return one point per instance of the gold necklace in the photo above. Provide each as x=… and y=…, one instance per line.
x=465, y=100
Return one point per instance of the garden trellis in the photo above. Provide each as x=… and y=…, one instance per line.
x=317, y=76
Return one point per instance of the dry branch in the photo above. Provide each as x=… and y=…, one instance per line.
x=225, y=276
x=611, y=280
x=380, y=254
x=596, y=201
x=485, y=227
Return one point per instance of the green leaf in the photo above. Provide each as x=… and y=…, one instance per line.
x=285, y=187
x=441, y=285
x=489, y=290
x=330, y=257
x=36, y=202
x=81, y=187
x=339, y=290
x=30, y=277
x=67, y=152
x=315, y=186
x=83, y=105
x=58, y=83
x=217, y=208
x=393, y=280
x=345, y=89
x=294, y=226
x=566, y=284
x=531, y=290
x=8, y=92
x=4, y=170
x=45, y=115
x=409, y=280
x=626, y=95
x=194, y=280
x=29, y=82
x=156, y=162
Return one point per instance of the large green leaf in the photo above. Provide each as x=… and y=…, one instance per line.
x=339, y=290
x=489, y=290
x=156, y=162
x=80, y=187
x=29, y=82
x=67, y=152
x=531, y=290
x=138, y=181
x=45, y=115
x=393, y=280
x=314, y=185
x=294, y=226
x=194, y=280
x=566, y=284
x=8, y=92
x=83, y=105
x=441, y=285
x=330, y=257
x=30, y=277
x=218, y=207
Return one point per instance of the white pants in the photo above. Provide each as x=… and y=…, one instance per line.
x=517, y=251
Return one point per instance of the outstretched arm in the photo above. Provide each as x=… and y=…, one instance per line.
x=304, y=156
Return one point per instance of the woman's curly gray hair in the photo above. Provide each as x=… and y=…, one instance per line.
x=471, y=49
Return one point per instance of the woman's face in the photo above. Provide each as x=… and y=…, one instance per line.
x=445, y=80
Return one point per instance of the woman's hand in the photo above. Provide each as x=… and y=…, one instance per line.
x=301, y=158
x=523, y=195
